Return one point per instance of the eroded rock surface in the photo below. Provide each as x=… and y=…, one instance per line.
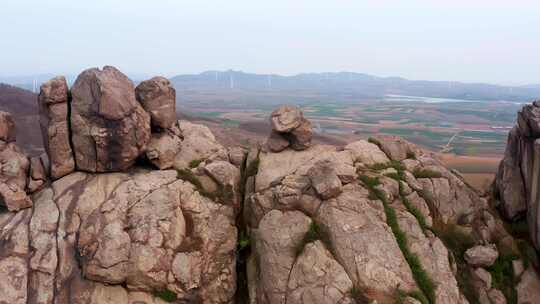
x=158, y=98
x=53, y=103
x=110, y=129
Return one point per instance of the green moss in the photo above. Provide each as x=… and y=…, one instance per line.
x=166, y=295
x=425, y=173
x=369, y=181
x=423, y=280
x=391, y=164
x=314, y=233
x=188, y=176
x=223, y=194
x=252, y=168
x=393, y=175
x=416, y=294
x=411, y=155
x=415, y=212
x=195, y=163
x=359, y=296
x=243, y=241
x=502, y=274
x=457, y=242
x=374, y=141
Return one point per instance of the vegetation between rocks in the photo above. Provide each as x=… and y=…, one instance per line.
x=426, y=173
x=166, y=295
x=423, y=280
x=314, y=233
x=223, y=193
x=195, y=163
x=502, y=274
x=359, y=296
x=457, y=242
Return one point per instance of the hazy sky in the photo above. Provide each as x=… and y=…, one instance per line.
x=468, y=40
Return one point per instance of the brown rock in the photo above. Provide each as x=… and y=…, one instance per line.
x=276, y=142
x=366, y=153
x=509, y=180
x=395, y=147
x=162, y=149
x=286, y=118
x=110, y=129
x=481, y=256
x=14, y=166
x=13, y=197
x=7, y=127
x=277, y=239
x=317, y=277
x=54, y=121
x=37, y=177
x=158, y=97
x=300, y=137
x=324, y=179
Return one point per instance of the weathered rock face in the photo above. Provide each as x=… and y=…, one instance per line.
x=14, y=167
x=144, y=231
x=109, y=127
x=158, y=97
x=7, y=127
x=364, y=214
x=519, y=171
x=289, y=129
x=54, y=121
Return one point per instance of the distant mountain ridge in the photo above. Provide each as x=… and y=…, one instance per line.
x=354, y=84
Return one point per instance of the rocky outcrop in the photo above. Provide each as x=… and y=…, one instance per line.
x=54, y=121
x=519, y=172
x=110, y=129
x=374, y=221
x=289, y=129
x=158, y=98
x=133, y=236
x=14, y=169
x=7, y=127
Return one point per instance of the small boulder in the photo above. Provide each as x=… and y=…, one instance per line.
x=13, y=197
x=158, y=97
x=7, y=127
x=286, y=118
x=289, y=129
x=481, y=255
x=324, y=180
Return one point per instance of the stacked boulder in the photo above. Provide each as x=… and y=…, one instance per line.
x=129, y=234
x=19, y=175
x=289, y=129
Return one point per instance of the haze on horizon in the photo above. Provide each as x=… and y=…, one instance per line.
x=473, y=41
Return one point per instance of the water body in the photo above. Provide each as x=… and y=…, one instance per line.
x=402, y=98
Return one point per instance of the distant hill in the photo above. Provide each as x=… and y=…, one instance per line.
x=354, y=85
x=22, y=104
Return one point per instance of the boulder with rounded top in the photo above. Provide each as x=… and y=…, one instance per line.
x=158, y=98
x=110, y=129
